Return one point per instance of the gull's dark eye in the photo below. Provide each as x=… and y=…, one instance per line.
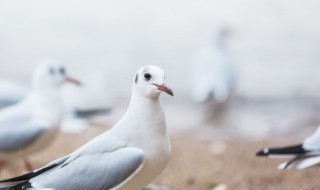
x=147, y=76
x=62, y=71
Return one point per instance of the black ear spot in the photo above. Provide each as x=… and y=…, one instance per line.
x=136, y=79
x=147, y=76
x=51, y=71
x=62, y=71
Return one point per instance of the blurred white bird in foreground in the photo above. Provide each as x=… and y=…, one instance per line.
x=11, y=92
x=303, y=155
x=31, y=124
x=127, y=157
x=213, y=70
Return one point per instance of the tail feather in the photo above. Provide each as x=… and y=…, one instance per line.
x=283, y=151
x=290, y=163
x=301, y=162
x=18, y=185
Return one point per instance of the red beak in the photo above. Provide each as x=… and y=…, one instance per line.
x=72, y=80
x=164, y=88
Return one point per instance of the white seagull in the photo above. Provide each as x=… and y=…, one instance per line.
x=31, y=124
x=213, y=70
x=127, y=157
x=303, y=155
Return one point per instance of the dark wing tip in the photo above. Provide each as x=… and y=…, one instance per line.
x=23, y=186
x=91, y=112
x=263, y=152
x=30, y=175
x=290, y=150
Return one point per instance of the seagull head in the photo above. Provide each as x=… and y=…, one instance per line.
x=149, y=81
x=51, y=74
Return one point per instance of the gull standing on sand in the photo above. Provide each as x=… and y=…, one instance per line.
x=127, y=157
x=303, y=155
x=31, y=124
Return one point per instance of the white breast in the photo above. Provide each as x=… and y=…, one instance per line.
x=157, y=154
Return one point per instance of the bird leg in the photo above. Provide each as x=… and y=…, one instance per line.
x=27, y=165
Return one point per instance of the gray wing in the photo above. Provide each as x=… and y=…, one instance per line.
x=15, y=115
x=93, y=171
x=17, y=119
x=14, y=138
x=11, y=93
x=5, y=103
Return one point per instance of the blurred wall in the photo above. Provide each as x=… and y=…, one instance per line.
x=275, y=43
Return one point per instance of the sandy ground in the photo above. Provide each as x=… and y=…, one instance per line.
x=205, y=155
x=236, y=167
x=196, y=165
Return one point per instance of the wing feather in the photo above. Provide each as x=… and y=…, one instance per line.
x=13, y=138
x=93, y=171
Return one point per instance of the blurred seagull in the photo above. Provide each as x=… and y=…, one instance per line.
x=31, y=124
x=213, y=70
x=303, y=155
x=127, y=157
x=76, y=118
x=11, y=92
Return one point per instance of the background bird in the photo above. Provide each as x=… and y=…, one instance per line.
x=127, y=157
x=31, y=124
x=213, y=69
x=303, y=155
x=81, y=105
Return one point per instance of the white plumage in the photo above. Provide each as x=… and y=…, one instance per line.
x=213, y=70
x=127, y=157
x=31, y=124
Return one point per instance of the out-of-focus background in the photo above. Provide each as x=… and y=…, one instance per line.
x=274, y=47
